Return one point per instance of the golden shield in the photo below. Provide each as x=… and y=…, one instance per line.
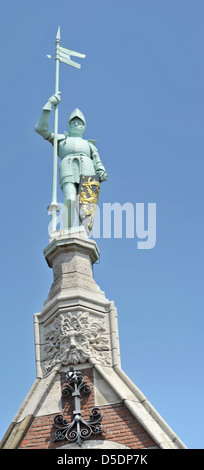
x=88, y=193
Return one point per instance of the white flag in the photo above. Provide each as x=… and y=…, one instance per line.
x=64, y=56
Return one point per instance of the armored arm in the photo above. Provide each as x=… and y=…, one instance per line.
x=42, y=126
x=98, y=165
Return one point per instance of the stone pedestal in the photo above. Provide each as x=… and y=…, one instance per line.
x=77, y=323
x=71, y=255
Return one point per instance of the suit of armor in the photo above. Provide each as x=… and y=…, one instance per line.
x=78, y=156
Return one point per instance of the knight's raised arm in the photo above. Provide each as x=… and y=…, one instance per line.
x=42, y=126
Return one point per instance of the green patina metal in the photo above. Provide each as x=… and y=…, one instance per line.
x=78, y=156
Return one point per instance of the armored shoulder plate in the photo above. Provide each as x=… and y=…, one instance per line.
x=92, y=141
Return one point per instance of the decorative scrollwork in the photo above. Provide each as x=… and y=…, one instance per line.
x=79, y=429
x=66, y=391
x=85, y=388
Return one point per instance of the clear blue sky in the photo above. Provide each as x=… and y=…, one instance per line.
x=141, y=90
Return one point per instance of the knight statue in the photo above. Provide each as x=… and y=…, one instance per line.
x=79, y=159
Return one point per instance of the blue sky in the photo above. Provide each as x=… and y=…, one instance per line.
x=141, y=90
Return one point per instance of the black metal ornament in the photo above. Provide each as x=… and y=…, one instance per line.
x=79, y=429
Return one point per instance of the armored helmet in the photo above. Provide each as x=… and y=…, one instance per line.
x=77, y=114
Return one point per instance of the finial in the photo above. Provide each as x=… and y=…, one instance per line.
x=58, y=33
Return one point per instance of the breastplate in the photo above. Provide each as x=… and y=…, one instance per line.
x=76, y=160
x=74, y=146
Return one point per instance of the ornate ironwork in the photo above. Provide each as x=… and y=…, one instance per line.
x=79, y=429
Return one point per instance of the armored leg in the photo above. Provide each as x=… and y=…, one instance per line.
x=69, y=192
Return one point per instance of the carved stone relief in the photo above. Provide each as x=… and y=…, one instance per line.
x=72, y=338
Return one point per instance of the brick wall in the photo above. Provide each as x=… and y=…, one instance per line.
x=118, y=423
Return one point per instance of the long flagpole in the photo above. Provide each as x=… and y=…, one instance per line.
x=54, y=208
x=62, y=55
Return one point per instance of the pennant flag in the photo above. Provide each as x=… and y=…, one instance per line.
x=64, y=56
